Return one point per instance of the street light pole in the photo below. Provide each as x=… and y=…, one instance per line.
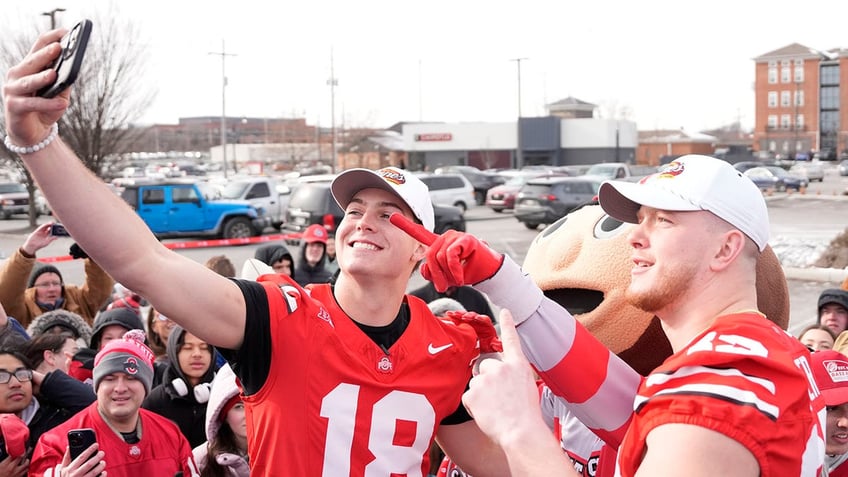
x=519, y=155
x=52, y=15
x=333, y=82
x=223, y=54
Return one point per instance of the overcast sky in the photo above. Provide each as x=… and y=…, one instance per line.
x=670, y=63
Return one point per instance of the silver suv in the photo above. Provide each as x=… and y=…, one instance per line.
x=449, y=189
x=14, y=199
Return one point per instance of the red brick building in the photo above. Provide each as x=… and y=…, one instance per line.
x=801, y=101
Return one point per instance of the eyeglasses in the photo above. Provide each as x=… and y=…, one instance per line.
x=21, y=374
x=47, y=284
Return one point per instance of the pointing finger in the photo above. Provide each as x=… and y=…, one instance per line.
x=416, y=231
x=509, y=338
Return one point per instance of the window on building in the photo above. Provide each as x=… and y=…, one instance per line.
x=829, y=121
x=799, y=98
x=772, y=75
x=772, y=99
x=799, y=122
x=799, y=74
x=830, y=75
x=785, y=74
x=784, y=98
x=785, y=121
x=829, y=97
x=772, y=121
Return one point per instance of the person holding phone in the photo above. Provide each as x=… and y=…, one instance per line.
x=131, y=441
x=28, y=289
x=363, y=377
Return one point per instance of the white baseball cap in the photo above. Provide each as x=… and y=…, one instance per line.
x=689, y=183
x=402, y=183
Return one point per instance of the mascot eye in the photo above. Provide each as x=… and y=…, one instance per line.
x=552, y=228
x=609, y=227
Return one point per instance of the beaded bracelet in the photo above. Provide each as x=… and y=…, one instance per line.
x=19, y=150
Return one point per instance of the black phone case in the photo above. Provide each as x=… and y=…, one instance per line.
x=69, y=63
x=79, y=440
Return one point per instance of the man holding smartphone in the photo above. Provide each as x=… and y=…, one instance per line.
x=28, y=289
x=131, y=441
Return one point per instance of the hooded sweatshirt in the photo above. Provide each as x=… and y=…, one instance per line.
x=317, y=273
x=224, y=388
x=273, y=253
x=176, y=399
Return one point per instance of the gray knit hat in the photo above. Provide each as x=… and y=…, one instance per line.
x=65, y=319
x=128, y=355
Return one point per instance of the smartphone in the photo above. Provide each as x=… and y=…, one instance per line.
x=59, y=230
x=69, y=62
x=79, y=440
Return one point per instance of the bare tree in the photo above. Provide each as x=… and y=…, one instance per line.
x=108, y=96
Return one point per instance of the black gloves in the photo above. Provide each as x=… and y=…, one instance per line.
x=77, y=252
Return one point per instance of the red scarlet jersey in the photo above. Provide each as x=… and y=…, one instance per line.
x=162, y=449
x=745, y=378
x=336, y=404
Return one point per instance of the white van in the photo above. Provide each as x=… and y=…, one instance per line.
x=449, y=189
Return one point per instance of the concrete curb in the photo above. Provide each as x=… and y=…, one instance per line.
x=836, y=275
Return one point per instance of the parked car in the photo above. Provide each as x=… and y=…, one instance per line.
x=843, y=168
x=502, y=197
x=449, y=189
x=14, y=199
x=480, y=181
x=543, y=200
x=776, y=178
x=745, y=165
x=264, y=193
x=179, y=208
x=812, y=170
x=313, y=203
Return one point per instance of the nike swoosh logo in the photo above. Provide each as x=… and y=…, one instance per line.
x=435, y=350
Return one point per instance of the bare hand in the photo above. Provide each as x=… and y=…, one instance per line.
x=38, y=239
x=503, y=398
x=83, y=466
x=29, y=117
x=14, y=467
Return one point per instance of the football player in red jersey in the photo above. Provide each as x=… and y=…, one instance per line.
x=354, y=379
x=737, y=386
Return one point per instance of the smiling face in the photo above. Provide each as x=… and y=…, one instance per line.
x=195, y=358
x=367, y=243
x=836, y=440
x=15, y=396
x=119, y=396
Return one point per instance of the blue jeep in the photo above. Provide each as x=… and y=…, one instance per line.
x=176, y=208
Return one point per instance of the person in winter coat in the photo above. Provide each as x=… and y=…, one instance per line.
x=226, y=430
x=27, y=290
x=184, y=392
x=276, y=256
x=42, y=401
x=311, y=268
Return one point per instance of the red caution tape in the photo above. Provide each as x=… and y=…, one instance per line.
x=199, y=244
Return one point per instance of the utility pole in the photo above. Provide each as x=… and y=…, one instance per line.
x=519, y=156
x=223, y=54
x=333, y=82
x=52, y=15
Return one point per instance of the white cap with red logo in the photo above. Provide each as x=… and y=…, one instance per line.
x=690, y=183
x=402, y=183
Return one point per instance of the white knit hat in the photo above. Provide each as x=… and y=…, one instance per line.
x=224, y=388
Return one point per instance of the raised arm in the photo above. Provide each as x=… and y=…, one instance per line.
x=207, y=304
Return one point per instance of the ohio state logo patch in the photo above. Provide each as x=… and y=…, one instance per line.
x=131, y=366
